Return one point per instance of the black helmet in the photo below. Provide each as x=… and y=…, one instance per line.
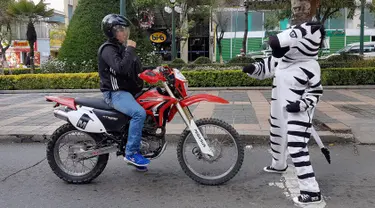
x=111, y=21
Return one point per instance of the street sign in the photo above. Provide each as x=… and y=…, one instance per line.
x=158, y=37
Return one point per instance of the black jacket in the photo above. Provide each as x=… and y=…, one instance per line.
x=119, y=67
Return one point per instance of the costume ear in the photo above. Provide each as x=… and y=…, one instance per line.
x=315, y=28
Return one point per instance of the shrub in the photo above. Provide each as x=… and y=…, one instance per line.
x=241, y=59
x=16, y=71
x=178, y=61
x=202, y=60
x=344, y=57
x=64, y=66
x=205, y=78
x=50, y=81
x=151, y=59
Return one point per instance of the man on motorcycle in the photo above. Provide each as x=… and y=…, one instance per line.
x=119, y=67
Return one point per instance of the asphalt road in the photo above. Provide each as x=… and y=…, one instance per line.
x=27, y=181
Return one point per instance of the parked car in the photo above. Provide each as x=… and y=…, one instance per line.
x=259, y=55
x=353, y=49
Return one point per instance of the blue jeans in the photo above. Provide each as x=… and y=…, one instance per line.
x=125, y=103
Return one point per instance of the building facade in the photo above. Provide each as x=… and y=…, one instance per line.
x=340, y=31
x=46, y=45
x=69, y=8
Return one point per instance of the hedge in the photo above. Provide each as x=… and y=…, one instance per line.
x=217, y=78
x=50, y=81
x=192, y=66
x=202, y=60
x=16, y=71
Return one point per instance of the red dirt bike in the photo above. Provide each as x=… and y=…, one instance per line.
x=209, y=151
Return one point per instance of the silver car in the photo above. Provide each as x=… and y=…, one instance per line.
x=353, y=49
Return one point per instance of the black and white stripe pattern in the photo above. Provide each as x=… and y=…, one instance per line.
x=113, y=79
x=265, y=68
x=296, y=77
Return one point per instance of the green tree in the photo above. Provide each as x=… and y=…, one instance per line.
x=5, y=32
x=222, y=23
x=271, y=22
x=31, y=12
x=321, y=9
x=84, y=35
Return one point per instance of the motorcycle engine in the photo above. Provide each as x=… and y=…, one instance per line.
x=152, y=141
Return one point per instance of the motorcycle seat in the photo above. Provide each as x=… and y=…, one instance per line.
x=97, y=103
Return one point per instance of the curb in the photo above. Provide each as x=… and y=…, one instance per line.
x=190, y=89
x=259, y=137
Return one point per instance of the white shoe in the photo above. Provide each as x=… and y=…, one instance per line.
x=270, y=169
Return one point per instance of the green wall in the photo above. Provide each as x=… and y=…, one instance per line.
x=236, y=46
x=336, y=43
x=253, y=44
x=354, y=39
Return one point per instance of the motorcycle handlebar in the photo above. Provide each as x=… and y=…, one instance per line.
x=148, y=68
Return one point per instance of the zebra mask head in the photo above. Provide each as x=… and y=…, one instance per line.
x=300, y=42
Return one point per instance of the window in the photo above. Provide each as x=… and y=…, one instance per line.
x=369, y=19
x=339, y=22
x=70, y=12
x=256, y=23
x=238, y=21
x=224, y=19
x=369, y=48
x=355, y=49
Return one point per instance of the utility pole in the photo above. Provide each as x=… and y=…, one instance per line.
x=123, y=7
x=174, y=50
x=362, y=27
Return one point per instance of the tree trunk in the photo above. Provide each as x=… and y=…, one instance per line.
x=2, y=67
x=244, y=41
x=31, y=38
x=219, y=38
x=4, y=64
x=220, y=52
x=303, y=10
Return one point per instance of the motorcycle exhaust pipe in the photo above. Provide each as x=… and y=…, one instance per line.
x=61, y=115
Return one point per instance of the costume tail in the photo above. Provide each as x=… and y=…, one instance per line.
x=324, y=150
x=326, y=154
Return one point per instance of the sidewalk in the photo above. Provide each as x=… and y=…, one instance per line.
x=340, y=113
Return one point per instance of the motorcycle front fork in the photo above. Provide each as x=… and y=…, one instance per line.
x=190, y=123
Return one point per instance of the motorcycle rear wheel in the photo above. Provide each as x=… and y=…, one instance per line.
x=188, y=142
x=62, y=171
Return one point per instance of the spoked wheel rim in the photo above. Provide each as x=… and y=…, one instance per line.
x=222, y=144
x=65, y=151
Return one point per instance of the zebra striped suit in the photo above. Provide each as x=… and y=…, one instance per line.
x=296, y=91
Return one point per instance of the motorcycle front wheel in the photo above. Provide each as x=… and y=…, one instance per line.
x=226, y=145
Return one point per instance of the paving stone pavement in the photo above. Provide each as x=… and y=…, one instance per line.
x=340, y=111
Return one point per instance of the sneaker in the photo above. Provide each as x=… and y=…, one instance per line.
x=137, y=160
x=139, y=168
x=270, y=169
x=305, y=199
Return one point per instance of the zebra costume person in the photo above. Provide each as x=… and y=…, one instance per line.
x=296, y=90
